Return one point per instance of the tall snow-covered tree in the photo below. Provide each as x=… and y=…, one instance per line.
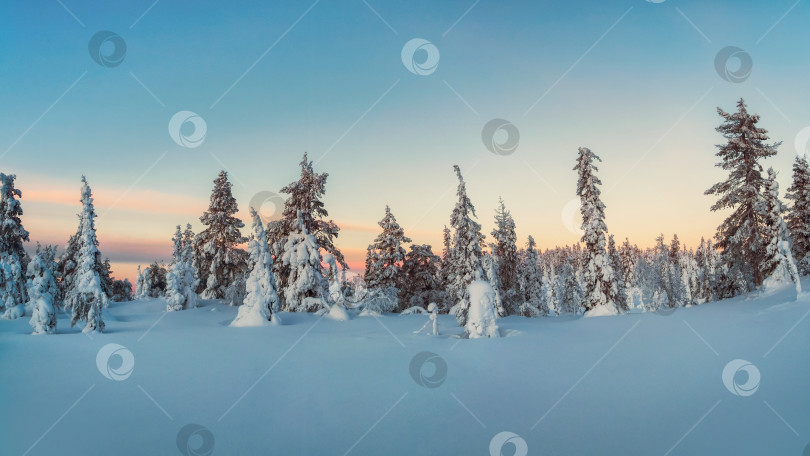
x=181, y=280
x=600, y=283
x=304, y=198
x=307, y=289
x=42, y=292
x=465, y=255
x=778, y=265
x=506, y=252
x=798, y=219
x=219, y=261
x=261, y=301
x=740, y=237
x=85, y=298
x=388, y=254
x=13, y=258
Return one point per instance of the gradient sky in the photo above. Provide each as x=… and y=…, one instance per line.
x=633, y=80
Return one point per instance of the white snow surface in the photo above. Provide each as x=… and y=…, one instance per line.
x=635, y=384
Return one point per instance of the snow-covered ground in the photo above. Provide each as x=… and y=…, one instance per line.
x=639, y=384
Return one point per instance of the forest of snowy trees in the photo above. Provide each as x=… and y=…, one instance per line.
x=294, y=265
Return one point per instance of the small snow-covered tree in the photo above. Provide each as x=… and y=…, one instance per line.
x=616, y=265
x=261, y=301
x=600, y=283
x=530, y=286
x=569, y=290
x=141, y=285
x=85, y=298
x=307, y=289
x=490, y=264
x=798, y=219
x=706, y=272
x=778, y=265
x=181, y=280
x=42, y=292
x=386, y=256
x=740, y=237
x=121, y=290
x=219, y=262
x=506, y=251
x=481, y=316
x=548, y=292
x=465, y=255
x=155, y=277
x=421, y=271
x=13, y=258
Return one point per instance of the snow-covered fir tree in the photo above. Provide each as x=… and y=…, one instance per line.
x=42, y=292
x=464, y=262
x=218, y=259
x=569, y=290
x=141, y=288
x=548, y=291
x=600, y=283
x=490, y=263
x=388, y=254
x=530, y=286
x=261, y=301
x=506, y=252
x=307, y=289
x=13, y=259
x=740, y=236
x=629, y=257
x=121, y=291
x=85, y=297
x=181, y=280
x=798, y=219
x=706, y=265
x=422, y=273
x=481, y=314
x=778, y=265
x=616, y=265
x=155, y=278
x=304, y=198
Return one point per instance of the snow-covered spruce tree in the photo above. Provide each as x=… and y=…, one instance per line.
x=181, y=282
x=489, y=262
x=141, y=285
x=506, y=252
x=465, y=254
x=600, y=283
x=42, y=292
x=798, y=219
x=13, y=258
x=369, y=276
x=530, y=286
x=740, y=237
x=705, y=259
x=307, y=289
x=121, y=290
x=261, y=301
x=155, y=276
x=305, y=198
x=481, y=314
x=616, y=265
x=421, y=271
x=107, y=278
x=219, y=261
x=85, y=297
x=548, y=291
x=629, y=257
x=569, y=290
x=778, y=265
x=386, y=256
